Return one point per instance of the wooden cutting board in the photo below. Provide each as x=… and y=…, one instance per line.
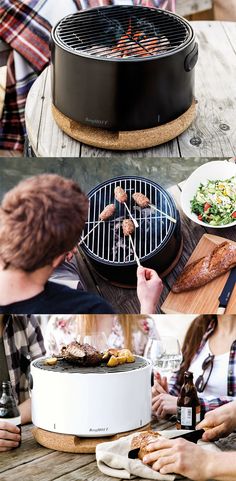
x=204, y=300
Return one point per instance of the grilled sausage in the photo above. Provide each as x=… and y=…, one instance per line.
x=120, y=195
x=107, y=212
x=128, y=227
x=141, y=199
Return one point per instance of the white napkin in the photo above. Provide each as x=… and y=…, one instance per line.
x=112, y=459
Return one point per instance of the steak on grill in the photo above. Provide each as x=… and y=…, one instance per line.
x=82, y=354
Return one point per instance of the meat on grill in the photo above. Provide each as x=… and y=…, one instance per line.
x=128, y=227
x=120, y=195
x=141, y=199
x=82, y=354
x=107, y=212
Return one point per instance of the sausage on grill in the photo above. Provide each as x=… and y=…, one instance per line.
x=141, y=199
x=107, y=212
x=128, y=227
x=120, y=195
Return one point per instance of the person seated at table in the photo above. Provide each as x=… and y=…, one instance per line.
x=25, y=27
x=209, y=351
x=21, y=342
x=120, y=331
x=194, y=462
x=41, y=220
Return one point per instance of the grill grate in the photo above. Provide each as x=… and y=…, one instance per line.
x=107, y=242
x=68, y=367
x=123, y=31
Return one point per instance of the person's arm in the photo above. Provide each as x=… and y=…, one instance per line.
x=149, y=289
x=25, y=411
x=182, y=457
x=219, y=423
x=212, y=404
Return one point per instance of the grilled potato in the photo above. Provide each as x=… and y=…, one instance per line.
x=51, y=361
x=113, y=361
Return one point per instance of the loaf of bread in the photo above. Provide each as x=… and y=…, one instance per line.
x=140, y=442
x=204, y=270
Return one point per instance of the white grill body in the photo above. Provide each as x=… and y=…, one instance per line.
x=91, y=405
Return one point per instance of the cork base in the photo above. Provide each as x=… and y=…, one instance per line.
x=162, y=275
x=125, y=140
x=73, y=444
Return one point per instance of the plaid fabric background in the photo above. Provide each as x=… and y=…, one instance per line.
x=25, y=26
x=23, y=342
x=207, y=405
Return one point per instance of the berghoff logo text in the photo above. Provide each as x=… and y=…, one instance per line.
x=96, y=121
x=96, y=430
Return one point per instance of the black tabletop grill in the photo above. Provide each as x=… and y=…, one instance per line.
x=157, y=240
x=123, y=67
x=63, y=365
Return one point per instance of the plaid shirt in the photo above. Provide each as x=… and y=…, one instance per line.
x=208, y=405
x=23, y=342
x=26, y=26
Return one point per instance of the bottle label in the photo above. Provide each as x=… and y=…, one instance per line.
x=16, y=421
x=186, y=417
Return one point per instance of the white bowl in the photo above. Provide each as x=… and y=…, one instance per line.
x=215, y=170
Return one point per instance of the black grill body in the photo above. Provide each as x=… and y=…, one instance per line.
x=157, y=240
x=94, y=86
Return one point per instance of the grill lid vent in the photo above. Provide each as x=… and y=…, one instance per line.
x=125, y=32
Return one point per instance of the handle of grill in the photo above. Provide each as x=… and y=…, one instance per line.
x=191, y=59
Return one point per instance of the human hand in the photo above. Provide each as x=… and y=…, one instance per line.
x=181, y=457
x=164, y=404
x=9, y=436
x=162, y=381
x=220, y=422
x=149, y=289
x=70, y=254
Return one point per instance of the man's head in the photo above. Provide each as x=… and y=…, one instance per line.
x=40, y=219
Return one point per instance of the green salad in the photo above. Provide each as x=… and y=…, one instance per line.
x=215, y=202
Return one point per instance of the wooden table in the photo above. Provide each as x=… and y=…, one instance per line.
x=33, y=462
x=212, y=134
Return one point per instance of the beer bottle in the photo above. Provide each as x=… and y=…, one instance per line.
x=188, y=405
x=8, y=409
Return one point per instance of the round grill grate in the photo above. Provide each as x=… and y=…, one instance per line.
x=123, y=31
x=68, y=367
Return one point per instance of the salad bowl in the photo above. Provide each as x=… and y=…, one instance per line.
x=220, y=170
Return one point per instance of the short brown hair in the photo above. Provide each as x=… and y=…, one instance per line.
x=41, y=218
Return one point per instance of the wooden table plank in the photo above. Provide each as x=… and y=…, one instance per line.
x=213, y=131
x=212, y=134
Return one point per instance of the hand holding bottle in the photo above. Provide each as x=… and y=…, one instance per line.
x=9, y=436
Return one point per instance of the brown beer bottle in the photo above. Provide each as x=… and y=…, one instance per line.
x=188, y=405
x=8, y=409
